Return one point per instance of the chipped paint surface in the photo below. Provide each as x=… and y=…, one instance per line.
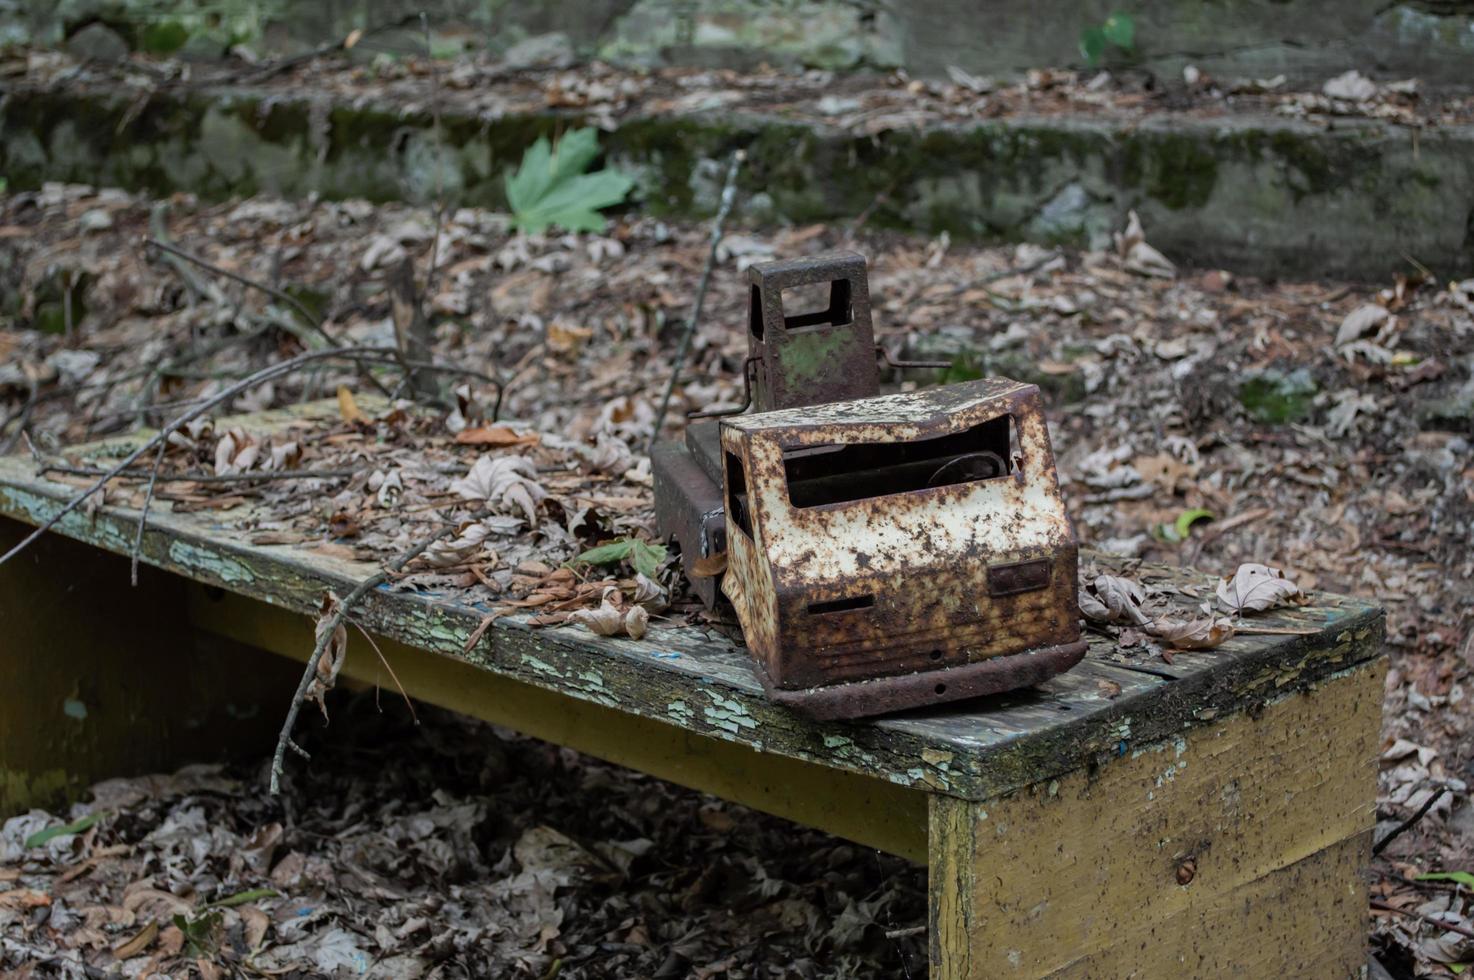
x=212, y=564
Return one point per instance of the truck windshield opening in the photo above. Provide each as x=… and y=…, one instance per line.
x=840, y=472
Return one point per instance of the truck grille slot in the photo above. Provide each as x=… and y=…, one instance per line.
x=842, y=605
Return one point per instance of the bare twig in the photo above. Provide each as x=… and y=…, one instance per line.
x=1377, y=903
x=287, y=64
x=148, y=499
x=260, y=377
x=259, y=476
x=277, y=294
x=324, y=636
x=1407, y=824
x=439, y=157
x=729, y=197
x=903, y=933
x=393, y=676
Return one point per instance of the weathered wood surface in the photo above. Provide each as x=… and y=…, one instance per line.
x=702, y=681
x=1231, y=851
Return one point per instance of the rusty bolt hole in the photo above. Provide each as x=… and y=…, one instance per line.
x=941, y=688
x=936, y=655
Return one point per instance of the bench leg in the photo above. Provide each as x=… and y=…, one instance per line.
x=1234, y=851
x=101, y=679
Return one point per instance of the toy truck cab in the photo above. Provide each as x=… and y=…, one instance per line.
x=901, y=550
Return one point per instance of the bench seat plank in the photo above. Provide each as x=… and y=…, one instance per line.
x=701, y=681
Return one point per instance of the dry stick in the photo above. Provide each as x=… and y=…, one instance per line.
x=271, y=291
x=729, y=196
x=325, y=634
x=395, y=677
x=1377, y=903
x=260, y=377
x=439, y=158
x=1407, y=824
x=190, y=476
x=148, y=499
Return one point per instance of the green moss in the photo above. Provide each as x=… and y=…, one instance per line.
x=164, y=37
x=1183, y=170
x=1275, y=398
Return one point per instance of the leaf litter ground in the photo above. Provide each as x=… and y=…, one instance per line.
x=1199, y=418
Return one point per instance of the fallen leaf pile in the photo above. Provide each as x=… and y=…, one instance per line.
x=1203, y=419
x=440, y=850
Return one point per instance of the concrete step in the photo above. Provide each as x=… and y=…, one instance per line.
x=1251, y=192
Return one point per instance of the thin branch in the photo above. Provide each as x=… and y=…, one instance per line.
x=325, y=635
x=260, y=377
x=393, y=676
x=439, y=158
x=729, y=197
x=259, y=476
x=148, y=499
x=1377, y=903
x=271, y=291
x=1407, y=824
x=904, y=933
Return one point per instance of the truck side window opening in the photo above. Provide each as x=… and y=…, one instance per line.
x=755, y=312
x=817, y=304
x=839, y=473
x=737, y=494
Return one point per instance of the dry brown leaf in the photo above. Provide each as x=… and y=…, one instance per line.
x=256, y=923
x=709, y=565
x=607, y=620
x=1112, y=599
x=1109, y=688
x=636, y=621
x=332, y=656
x=508, y=483
x=348, y=407
x=1256, y=588
x=24, y=898
x=1191, y=634
x=141, y=941
x=1365, y=319
x=496, y=436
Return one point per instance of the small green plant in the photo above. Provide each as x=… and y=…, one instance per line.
x=644, y=557
x=1116, y=31
x=551, y=188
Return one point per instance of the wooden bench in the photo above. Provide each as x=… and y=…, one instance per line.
x=1207, y=818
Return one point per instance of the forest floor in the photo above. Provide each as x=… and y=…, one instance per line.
x=1199, y=418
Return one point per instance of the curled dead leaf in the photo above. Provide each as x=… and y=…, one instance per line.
x=607, y=620
x=636, y=621
x=1256, y=588
x=1113, y=599
x=333, y=653
x=1191, y=634
x=709, y=565
x=505, y=482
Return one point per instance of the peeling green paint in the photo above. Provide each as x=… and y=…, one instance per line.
x=211, y=564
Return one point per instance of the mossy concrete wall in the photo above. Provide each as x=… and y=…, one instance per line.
x=1269, y=197
x=1306, y=40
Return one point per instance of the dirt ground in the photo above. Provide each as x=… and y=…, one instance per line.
x=1199, y=418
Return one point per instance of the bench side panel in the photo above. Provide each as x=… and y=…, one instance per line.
x=1232, y=851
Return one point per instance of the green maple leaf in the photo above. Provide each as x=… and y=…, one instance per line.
x=643, y=556
x=551, y=188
